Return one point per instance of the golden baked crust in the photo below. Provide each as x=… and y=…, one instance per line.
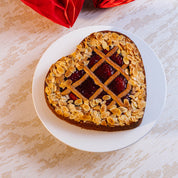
x=93, y=113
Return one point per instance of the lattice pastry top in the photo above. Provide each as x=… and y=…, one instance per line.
x=101, y=85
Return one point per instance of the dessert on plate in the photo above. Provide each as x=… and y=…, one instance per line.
x=101, y=86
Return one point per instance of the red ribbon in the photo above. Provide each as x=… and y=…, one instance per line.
x=65, y=12
x=109, y=3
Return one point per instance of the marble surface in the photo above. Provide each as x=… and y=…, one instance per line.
x=27, y=149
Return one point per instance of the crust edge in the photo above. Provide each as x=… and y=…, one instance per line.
x=90, y=125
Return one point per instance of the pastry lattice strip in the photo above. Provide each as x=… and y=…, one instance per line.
x=85, y=76
x=89, y=72
x=120, y=70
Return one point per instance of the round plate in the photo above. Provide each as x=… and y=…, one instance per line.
x=89, y=140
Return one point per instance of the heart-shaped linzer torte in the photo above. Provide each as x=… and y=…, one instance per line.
x=101, y=86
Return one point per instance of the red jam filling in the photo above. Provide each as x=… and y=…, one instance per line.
x=117, y=58
x=76, y=75
x=93, y=59
x=87, y=88
x=103, y=72
x=118, y=85
x=72, y=96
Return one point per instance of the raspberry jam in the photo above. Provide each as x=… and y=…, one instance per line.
x=103, y=72
x=118, y=85
x=76, y=75
x=72, y=96
x=93, y=59
x=117, y=58
x=87, y=88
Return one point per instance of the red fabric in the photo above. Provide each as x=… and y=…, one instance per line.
x=63, y=12
x=109, y=3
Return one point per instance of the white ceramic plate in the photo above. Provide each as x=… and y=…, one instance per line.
x=98, y=141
